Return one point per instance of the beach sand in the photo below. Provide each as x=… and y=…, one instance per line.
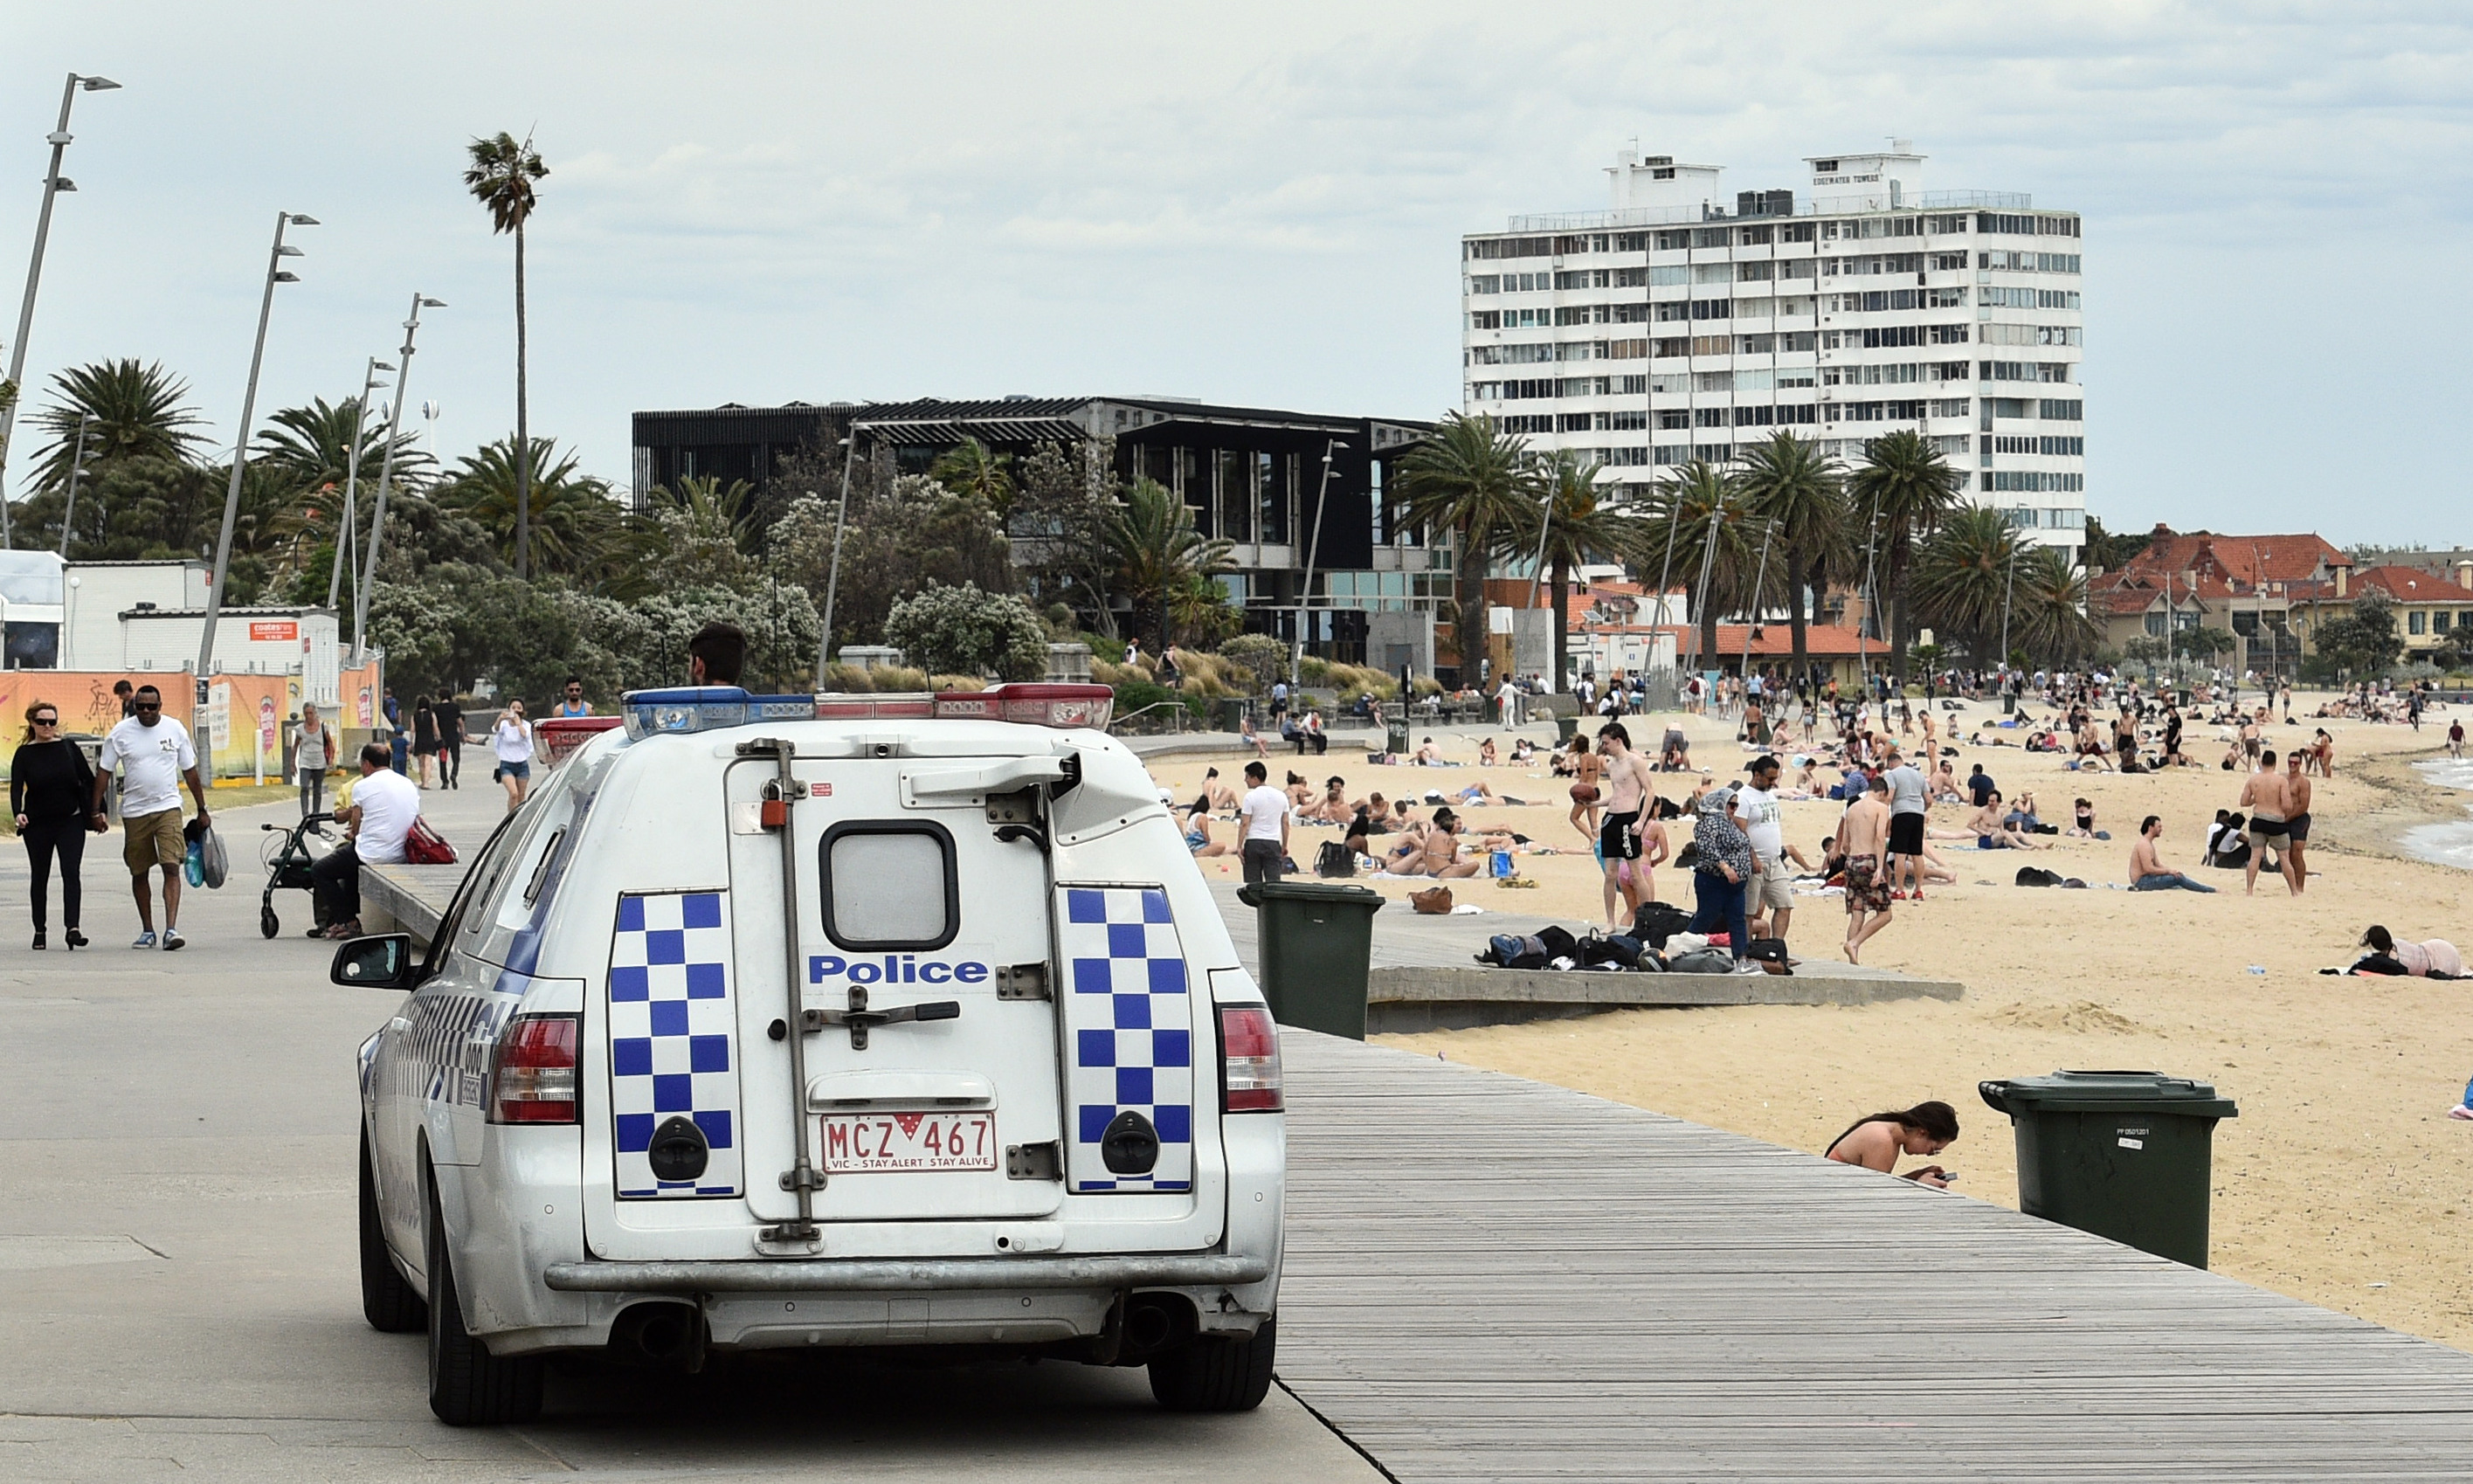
x=2342, y=1181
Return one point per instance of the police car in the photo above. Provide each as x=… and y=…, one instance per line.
x=878, y=1021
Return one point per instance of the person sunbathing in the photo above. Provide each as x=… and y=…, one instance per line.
x=1443, y=849
x=1485, y=756
x=1216, y=791
x=1334, y=807
x=2434, y=958
x=1428, y=756
x=1483, y=792
x=1198, y=838
x=1993, y=830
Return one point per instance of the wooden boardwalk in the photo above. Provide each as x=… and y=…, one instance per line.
x=1490, y=1279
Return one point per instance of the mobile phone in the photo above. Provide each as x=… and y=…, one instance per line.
x=1948, y=1175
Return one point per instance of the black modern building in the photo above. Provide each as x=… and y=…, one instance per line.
x=1251, y=476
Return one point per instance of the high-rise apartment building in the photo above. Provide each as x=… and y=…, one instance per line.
x=1681, y=325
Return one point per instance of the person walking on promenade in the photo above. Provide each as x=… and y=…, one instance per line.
x=449, y=719
x=51, y=792
x=424, y=735
x=313, y=753
x=511, y=742
x=154, y=756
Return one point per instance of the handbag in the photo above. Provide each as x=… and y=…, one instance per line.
x=1432, y=901
x=424, y=845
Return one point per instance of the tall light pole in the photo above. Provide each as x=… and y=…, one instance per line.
x=77, y=468
x=1708, y=557
x=386, y=474
x=274, y=275
x=833, y=573
x=348, y=527
x=1313, y=550
x=1760, y=582
x=2017, y=549
x=53, y=183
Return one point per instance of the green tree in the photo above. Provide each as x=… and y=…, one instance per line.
x=1962, y=576
x=1791, y=481
x=1896, y=497
x=2049, y=618
x=1709, y=523
x=500, y=177
x=1059, y=526
x=2203, y=642
x=969, y=468
x=136, y=412
x=1579, y=529
x=1473, y=480
x=2109, y=551
x=962, y=631
x=569, y=514
x=1264, y=658
x=1154, y=548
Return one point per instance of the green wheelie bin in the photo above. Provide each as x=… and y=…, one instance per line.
x=1395, y=737
x=2124, y=1155
x=1316, y=939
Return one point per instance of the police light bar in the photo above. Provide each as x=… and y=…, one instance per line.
x=689, y=708
x=1037, y=704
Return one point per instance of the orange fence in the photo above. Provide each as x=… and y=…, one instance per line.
x=246, y=714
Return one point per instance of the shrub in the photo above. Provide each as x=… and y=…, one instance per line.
x=966, y=631
x=849, y=679
x=1264, y=658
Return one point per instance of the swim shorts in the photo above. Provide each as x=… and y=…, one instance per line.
x=1867, y=890
x=2298, y=828
x=1906, y=834
x=1617, y=839
x=2260, y=825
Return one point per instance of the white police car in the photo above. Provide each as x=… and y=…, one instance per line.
x=882, y=1021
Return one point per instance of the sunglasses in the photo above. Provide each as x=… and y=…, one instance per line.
x=149, y=706
x=47, y=721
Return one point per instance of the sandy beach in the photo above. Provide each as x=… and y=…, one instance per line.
x=2342, y=1183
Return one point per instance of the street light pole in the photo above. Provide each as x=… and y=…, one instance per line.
x=1708, y=557
x=77, y=468
x=274, y=275
x=347, y=529
x=386, y=473
x=1760, y=582
x=53, y=183
x=2016, y=550
x=833, y=573
x=1313, y=550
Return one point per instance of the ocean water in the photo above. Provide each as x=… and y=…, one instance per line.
x=2451, y=844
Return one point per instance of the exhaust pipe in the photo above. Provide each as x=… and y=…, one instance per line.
x=1155, y=1321
x=667, y=1335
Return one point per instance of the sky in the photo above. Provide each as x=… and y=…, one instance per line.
x=1257, y=205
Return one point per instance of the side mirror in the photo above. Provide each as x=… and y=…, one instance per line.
x=379, y=963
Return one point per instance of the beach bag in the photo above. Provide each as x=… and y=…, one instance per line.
x=1432, y=901
x=1559, y=942
x=1703, y=960
x=1334, y=859
x=1656, y=922
x=424, y=845
x=1768, y=950
x=1511, y=951
x=1616, y=952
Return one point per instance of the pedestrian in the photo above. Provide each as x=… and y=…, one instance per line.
x=313, y=753
x=1910, y=796
x=51, y=791
x=1628, y=789
x=716, y=656
x=511, y=742
x=383, y=807
x=449, y=718
x=127, y=695
x=154, y=755
x=1725, y=869
x=424, y=735
x=574, y=705
x=398, y=743
x=1265, y=830
x=2296, y=825
x=1864, y=835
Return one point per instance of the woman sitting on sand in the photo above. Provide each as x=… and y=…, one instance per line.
x=1524, y=751
x=2432, y=958
x=1300, y=793
x=1876, y=1142
x=1197, y=835
x=1485, y=757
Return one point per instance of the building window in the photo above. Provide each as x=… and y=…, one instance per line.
x=1236, y=495
x=2416, y=621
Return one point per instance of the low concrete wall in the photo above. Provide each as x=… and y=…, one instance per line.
x=1420, y=998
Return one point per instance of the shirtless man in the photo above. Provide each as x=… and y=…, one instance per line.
x=1864, y=834
x=1629, y=785
x=2263, y=796
x=2296, y=823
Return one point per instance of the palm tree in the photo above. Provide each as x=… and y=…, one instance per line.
x=712, y=506
x=1579, y=530
x=501, y=179
x=1473, y=480
x=1962, y=577
x=572, y=515
x=1902, y=491
x=968, y=469
x=2048, y=616
x=312, y=445
x=1788, y=480
x=1151, y=542
x=1711, y=528
x=137, y=412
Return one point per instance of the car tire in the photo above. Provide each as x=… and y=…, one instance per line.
x=469, y=1387
x=387, y=1301
x=1217, y=1375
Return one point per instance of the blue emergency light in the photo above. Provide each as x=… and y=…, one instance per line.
x=688, y=708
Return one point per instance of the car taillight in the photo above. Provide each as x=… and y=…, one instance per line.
x=1037, y=704
x=1249, y=1047
x=532, y=1073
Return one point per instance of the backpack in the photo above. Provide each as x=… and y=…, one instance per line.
x=1558, y=941
x=424, y=845
x=2037, y=875
x=1618, y=952
x=1334, y=859
x=1656, y=922
x=1511, y=951
x=1768, y=950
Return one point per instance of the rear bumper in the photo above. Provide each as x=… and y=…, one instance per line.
x=826, y=1275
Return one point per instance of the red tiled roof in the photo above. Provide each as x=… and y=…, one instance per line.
x=1775, y=640
x=2411, y=585
x=2245, y=562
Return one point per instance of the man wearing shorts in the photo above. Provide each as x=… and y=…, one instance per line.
x=1627, y=790
x=154, y=753
x=2263, y=796
x=1864, y=834
x=2296, y=824
x=1908, y=797
x=1770, y=890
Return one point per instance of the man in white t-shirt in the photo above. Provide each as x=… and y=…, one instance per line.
x=385, y=804
x=154, y=755
x=1265, y=830
x=1770, y=889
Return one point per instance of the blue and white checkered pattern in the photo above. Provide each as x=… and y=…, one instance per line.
x=672, y=1031
x=1129, y=1023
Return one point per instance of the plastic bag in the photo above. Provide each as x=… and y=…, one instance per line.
x=213, y=863
x=196, y=867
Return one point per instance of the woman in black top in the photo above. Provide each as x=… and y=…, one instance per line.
x=51, y=791
x=448, y=718
x=424, y=737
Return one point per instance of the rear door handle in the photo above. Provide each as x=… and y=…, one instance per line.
x=860, y=1019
